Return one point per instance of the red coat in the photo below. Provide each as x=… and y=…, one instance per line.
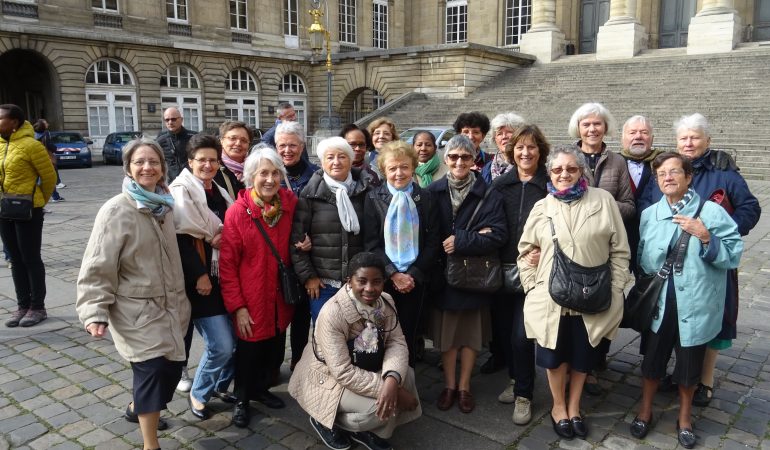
x=248, y=271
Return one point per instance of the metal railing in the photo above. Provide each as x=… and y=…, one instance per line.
x=16, y=9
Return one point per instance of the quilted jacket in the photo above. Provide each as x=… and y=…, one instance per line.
x=23, y=160
x=611, y=174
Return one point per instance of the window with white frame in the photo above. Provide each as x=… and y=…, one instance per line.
x=110, y=99
x=238, y=15
x=242, y=97
x=180, y=88
x=456, y=21
x=378, y=101
x=380, y=24
x=347, y=21
x=105, y=5
x=290, y=23
x=292, y=91
x=518, y=17
x=176, y=10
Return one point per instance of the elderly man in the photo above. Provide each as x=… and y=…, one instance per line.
x=174, y=142
x=284, y=113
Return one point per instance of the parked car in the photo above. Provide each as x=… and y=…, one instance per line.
x=72, y=149
x=442, y=134
x=112, y=151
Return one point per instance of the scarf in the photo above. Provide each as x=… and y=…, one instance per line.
x=192, y=215
x=271, y=211
x=234, y=166
x=653, y=153
x=426, y=170
x=345, y=209
x=569, y=195
x=159, y=202
x=458, y=190
x=679, y=206
x=402, y=228
x=500, y=166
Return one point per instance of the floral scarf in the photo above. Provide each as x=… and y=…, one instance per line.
x=500, y=166
x=570, y=194
x=271, y=211
x=234, y=166
x=159, y=202
x=402, y=228
x=426, y=170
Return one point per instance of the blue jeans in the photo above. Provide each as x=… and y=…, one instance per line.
x=216, y=368
x=316, y=304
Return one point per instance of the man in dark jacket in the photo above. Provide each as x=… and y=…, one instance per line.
x=174, y=141
x=285, y=113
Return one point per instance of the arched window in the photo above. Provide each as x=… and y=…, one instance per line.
x=180, y=87
x=110, y=99
x=293, y=92
x=242, y=97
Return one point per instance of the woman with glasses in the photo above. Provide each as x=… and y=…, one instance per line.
x=360, y=141
x=589, y=229
x=235, y=138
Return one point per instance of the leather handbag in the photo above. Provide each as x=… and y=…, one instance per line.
x=287, y=279
x=511, y=280
x=16, y=206
x=587, y=290
x=721, y=198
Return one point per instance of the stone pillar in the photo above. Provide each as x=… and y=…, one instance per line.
x=544, y=39
x=716, y=28
x=622, y=36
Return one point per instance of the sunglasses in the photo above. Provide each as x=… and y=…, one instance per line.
x=454, y=157
x=570, y=170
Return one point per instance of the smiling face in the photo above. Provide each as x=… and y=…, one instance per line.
x=459, y=162
x=357, y=140
x=474, y=134
x=289, y=147
x=672, y=180
x=267, y=180
x=692, y=144
x=235, y=144
x=502, y=136
x=367, y=284
x=398, y=171
x=336, y=164
x=382, y=135
x=637, y=138
x=592, y=130
x=424, y=147
x=205, y=164
x=562, y=165
x=526, y=155
x=146, y=168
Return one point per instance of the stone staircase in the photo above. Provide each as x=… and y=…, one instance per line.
x=731, y=90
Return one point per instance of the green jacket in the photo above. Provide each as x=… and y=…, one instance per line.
x=22, y=161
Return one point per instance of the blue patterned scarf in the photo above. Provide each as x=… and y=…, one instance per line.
x=159, y=202
x=677, y=207
x=402, y=228
x=570, y=194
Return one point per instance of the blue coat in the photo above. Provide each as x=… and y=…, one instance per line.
x=700, y=288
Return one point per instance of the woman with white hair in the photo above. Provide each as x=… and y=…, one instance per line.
x=248, y=273
x=503, y=126
x=328, y=213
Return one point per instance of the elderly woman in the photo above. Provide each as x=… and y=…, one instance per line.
x=520, y=189
x=709, y=177
x=25, y=160
x=360, y=141
x=328, y=213
x=460, y=325
x=131, y=280
x=359, y=350
x=692, y=301
x=382, y=131
x=249, y=278
x=400, y=226
x=503, y=126
x=430, y=166
x=200, y=206
x=589, y=229
x=475, y=126
x=235, y=138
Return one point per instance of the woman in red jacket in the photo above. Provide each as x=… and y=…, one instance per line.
x=249, y=278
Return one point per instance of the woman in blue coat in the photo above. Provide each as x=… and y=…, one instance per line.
x=691, y=304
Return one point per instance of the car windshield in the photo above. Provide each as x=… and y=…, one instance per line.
x=67, y=138
x=125, y=137
x=408, y=135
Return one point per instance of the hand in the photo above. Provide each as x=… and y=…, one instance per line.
x=693, y=226
x=203, y=285
x=388, y=398
x=533, y=257
x=304, y=245
x=449, y=245
x=485, y=230
x=313, y=287
x=406, y=401
x=243, y=319
x=97, y=329
x=403, y=282
x=216, y=240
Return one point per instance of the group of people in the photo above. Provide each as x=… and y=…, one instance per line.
x=371, y=235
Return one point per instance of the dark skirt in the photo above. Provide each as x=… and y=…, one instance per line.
x=154, y=383
x=572, y=347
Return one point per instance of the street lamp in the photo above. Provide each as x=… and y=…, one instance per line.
x=319, y=34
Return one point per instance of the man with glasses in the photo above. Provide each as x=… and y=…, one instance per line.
x=174, y=142
x=285, y=113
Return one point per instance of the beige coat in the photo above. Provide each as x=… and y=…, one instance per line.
x=131, y=277
x=589, y=231
x=318, y=387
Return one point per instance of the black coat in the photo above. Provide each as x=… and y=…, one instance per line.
x=174, y=147
x=469, y=242
x=376, y=208
x=229, y=181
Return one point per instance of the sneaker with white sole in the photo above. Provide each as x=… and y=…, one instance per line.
x=61, y=186
x=507, y=396
x=185, y=383
x=522, y=411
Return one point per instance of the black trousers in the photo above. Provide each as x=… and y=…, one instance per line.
x=300, y=329
x=502, y=311
x=23, y=241
x=254, y=365
x=409, y=310
x=522, y=362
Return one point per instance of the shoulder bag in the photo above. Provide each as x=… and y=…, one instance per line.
x=290, y=285
x=16, y=206
x=587, y=290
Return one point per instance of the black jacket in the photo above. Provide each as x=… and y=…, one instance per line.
x=175, y=150
x=376, y=208
x=229, y=181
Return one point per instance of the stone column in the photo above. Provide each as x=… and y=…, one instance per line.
x=717, y=28
x=544, y=39
x=622, y=36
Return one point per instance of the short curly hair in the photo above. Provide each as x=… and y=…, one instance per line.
x=473, y=119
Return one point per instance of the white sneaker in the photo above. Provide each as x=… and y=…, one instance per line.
x=507, y=396
x=185, y=383
x=61, y=186
x=522, y=412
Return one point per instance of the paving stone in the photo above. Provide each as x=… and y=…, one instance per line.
x=95, y=437
x=66, y=392
x=47, y=441
x=64, y=419
x=82, y=400
x=58, y=363
x=78, y=428
x=41, y=377
x=742, y=436
x=31, y=370
x=120, y=426
x=116, y=444
x=751, y=425
x=187, y=433
x=51, y=410
x=255, y=441
x=16, y=422
x=54, y=384
x=8, y=411
x=13, y=386
x=280, y=447
x=67, y=446
x=729, y=444
x=36, y=402
x=169, y=444
x=213, y=443
x=299, y=440
x=278, y=431
x=99, y=413
x=26, y=433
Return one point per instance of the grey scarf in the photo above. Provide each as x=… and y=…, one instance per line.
x=458, y=189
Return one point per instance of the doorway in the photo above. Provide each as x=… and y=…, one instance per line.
x=28, y=80
x=675, y=18
x=593, y=14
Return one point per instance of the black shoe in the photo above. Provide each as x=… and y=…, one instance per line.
x=492, y=365
x=225, y=397
x=667, y=384
x=563, y=428
x=702, y=396
x=579, y=427
x=594, y=389
x=241, y=416
x=202, y=413
x=686, y=436
x=640, y=428
x=335, y=438
x=269, y=399
x=371, y=440
x=134, y=418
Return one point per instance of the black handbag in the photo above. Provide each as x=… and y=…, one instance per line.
x=16, y=206
x=511, y=280
x=288, y=280
x=587, y=290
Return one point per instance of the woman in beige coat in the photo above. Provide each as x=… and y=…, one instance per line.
x=354, y=377
x=131, y=281
x=590, y=231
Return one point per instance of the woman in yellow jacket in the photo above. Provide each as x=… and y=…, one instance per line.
x=24, y=169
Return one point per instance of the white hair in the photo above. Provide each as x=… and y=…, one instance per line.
x=333, y=143
x=294, y=128
x=693, y=122
x=257, y=154
x=507, y=119
x=591, y=109
x=638, y=118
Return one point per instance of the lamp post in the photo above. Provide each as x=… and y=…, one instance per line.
x=319, y=34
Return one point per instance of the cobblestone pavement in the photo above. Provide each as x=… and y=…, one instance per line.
x=61, y=389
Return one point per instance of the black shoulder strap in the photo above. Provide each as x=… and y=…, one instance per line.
x=478, y=207
x=675, y=256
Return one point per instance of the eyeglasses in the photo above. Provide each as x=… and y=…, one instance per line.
x=570, y=170
x=171, y=119
x=142, y=162
x=212, y=161
x=357, y=144
x=454, y=157
x=670, y=173
x=233, y=139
